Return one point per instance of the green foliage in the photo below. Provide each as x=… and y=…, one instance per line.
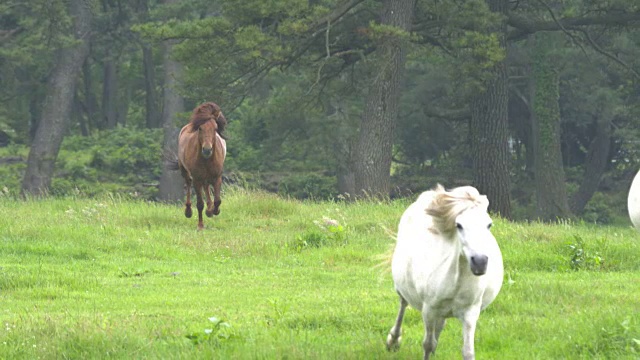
x=123, y=160
x=309, y=239
x=328, y=232
x=216, y=335
x=599, y=210
x=473, y=41
x=583, y=257
x=308, y=186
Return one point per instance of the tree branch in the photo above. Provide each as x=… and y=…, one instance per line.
x=5, y=35
x=335, y=15
x=564, y=30
x=447, y=114
x=526, y=26
x=597, y=48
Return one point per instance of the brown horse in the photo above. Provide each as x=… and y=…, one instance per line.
x=201, y=153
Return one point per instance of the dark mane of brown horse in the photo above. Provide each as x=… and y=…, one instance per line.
x=205, y=112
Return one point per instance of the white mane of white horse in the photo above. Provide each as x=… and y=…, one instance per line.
x=446, y=263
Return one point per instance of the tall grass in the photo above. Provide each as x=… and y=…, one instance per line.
x=116, y=278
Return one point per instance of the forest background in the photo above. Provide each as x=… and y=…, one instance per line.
x=535, y=102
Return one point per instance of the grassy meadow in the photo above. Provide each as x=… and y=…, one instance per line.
x=270, y=279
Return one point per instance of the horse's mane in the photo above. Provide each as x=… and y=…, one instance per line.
x=205, y=112
x=445, y=206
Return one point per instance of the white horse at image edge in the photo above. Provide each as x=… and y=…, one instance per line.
x=633, y=202
x=446, y=263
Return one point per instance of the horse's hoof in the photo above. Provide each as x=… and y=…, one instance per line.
x=200, y=227
x=216, y=211
x=209, y=213
x=188, y=212
x=393, y=344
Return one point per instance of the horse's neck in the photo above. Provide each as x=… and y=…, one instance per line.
x=453, y=261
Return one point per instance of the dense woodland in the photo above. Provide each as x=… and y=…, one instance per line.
x=534, y=102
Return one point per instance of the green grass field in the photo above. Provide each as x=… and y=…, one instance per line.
x=114, y=278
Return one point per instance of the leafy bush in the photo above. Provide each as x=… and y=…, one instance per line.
x=121, y=160
x=11, y=177
x=599, y=209
x=309, y=186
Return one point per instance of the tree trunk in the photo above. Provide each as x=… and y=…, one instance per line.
x=91, y=104
x=79, y=115
x=58, y=103
x=379, y=118
x=171, y=182
x=123, y=102
x=153, y=118
x=595, y=165
x=110, y=93
x=551, y=193
x=489, y=132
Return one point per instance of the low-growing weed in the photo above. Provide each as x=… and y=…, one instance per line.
x=329, y=232
x=217, y=334
x=279, y=311
x=582, y=257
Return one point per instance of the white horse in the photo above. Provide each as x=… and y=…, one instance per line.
x=446, y=263
x=633, y=202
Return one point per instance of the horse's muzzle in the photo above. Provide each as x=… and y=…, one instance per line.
x=207, y=152
x=479, y=264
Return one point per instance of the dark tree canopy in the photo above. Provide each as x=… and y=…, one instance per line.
x=533, y=102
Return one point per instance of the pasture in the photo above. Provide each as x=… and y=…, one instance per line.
x=115, y=278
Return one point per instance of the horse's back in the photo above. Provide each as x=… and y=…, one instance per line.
x=185, y=149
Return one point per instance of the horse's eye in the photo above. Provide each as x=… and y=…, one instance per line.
x=459, y=226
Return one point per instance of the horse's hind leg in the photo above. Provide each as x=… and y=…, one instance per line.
x=187, y=187
x=393, y=339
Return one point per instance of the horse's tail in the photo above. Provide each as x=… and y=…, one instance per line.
x=172, y=165
x=171, y=161
x=383, y=261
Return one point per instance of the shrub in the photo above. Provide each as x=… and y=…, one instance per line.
x=309, y=186
x=599, y=210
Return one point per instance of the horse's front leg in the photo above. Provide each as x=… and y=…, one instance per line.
x=216, y=195
x=199, y=204
x=432, y=328
x=394, y=337
x=209, y=201
x=469, y=320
